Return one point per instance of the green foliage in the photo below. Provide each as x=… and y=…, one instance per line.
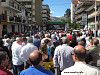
x=62, y=20
x=68, y=12
x=68, y=18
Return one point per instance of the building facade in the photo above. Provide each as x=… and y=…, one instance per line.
x=91, y=16
x=13, y=17
x=45, y=14
x=85, y=14
x=81, y=14
x=35, y=6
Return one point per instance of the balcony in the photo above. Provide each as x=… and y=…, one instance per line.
x=23, y=21
x=93, y=15
x=92, y=23
x=80, y=16
x=17, y=19
x=44, y=15
x=11, y=5
x=29, y=18
x=44, y=11
x=44, y=19
x=28, y=6
x=80, y=10
x=24, y=0
x=11, y=18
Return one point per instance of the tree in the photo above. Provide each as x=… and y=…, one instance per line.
x=68, y=12
x=68, y=18
x=62, y=20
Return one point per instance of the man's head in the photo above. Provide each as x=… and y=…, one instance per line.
x=5, y=36
x=79, y=53
x=4, y=59
x=82, y=43
x=35, y=58
x=54, y=37
x=19, y=40
x=30, y=40
x=36, y=36
x=96, y=42
x=65, y=40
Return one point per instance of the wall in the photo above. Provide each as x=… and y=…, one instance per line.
x=38, y=12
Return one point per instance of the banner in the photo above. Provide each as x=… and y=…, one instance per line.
x=3, y=19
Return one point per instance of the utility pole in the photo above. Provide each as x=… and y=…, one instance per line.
x=95, y=19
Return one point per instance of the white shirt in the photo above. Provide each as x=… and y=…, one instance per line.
x=62, y=57
x=16, y=49
x=81, y=68
x=26, y=50
x=5, y=42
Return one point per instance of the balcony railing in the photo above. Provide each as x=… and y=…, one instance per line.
x=78, y=17
x=11, y=19
x=80, y=10
x=17, y=19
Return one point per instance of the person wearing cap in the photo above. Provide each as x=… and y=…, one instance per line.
x=62, y=56
x=18, y=64
x=80, y=67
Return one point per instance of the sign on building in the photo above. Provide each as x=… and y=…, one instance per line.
x=3, y=19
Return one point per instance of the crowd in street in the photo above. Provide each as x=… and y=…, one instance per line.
x=50, y=52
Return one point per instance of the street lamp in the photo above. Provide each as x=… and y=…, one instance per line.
x=95, y=20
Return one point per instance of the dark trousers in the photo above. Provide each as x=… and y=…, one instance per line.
x=17, y=69
x=57, y=72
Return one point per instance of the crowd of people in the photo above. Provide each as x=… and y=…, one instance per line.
x=50, y=52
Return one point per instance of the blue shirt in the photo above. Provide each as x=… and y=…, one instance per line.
x=39, y=70
x=36, y=42
x=49, y=50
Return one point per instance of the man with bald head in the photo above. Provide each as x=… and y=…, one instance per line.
x=36, y=69
x=80, y=67
x=62, y=55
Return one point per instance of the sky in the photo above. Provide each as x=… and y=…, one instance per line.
x=57, y=7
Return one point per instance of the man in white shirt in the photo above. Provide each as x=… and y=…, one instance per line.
x=26, y=50
x=99, y=32
x=18, y=64
x=62, y=55
x=80, y=67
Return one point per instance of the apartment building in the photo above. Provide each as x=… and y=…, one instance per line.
x=45, y=14
x=13, y=16
x=81, y=13
x=91, y=16
x=35, y=6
